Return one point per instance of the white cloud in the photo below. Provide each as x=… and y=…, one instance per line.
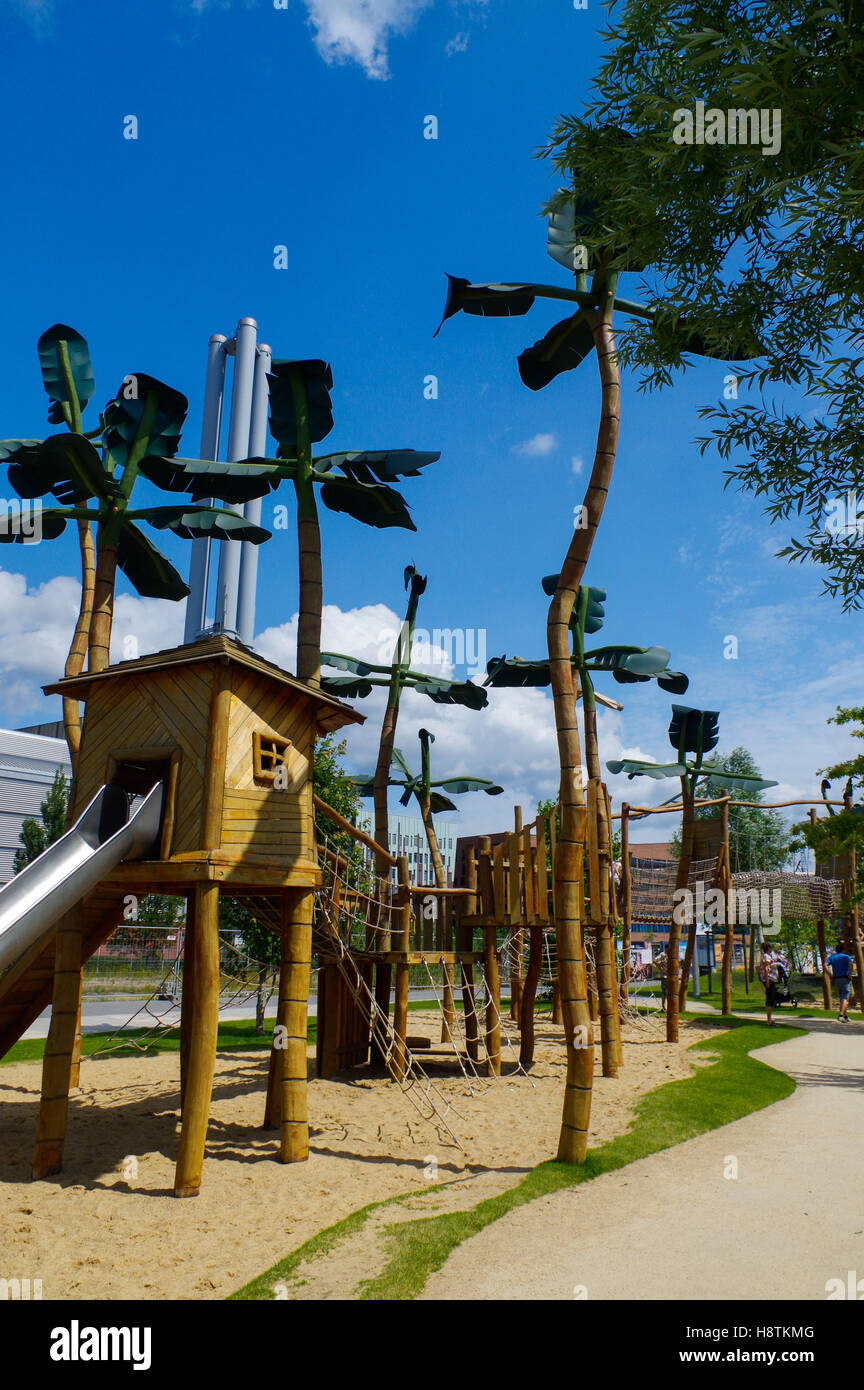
x=538, y=446
x=577, y=463
x=36, y=628
x=457, y=44
x=359, y=31
x=512, y=741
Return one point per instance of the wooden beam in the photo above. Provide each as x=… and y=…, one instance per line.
x=59, y=1048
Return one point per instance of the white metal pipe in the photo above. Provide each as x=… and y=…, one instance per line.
x=238, y=444
x=211, y=429
x=252, y=511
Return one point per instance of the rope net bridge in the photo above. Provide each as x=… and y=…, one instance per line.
x=796, y=897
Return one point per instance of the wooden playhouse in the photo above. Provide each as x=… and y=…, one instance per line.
x=230, y=736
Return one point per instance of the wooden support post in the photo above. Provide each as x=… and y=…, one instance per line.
x=448, y=1005
x=598, y=881
x=820, y=939
x=298, y=908
x=466, y=943
x=485, y=878
x=625, y=903
x=383, y=979
x=202, y=1043
x=529, y=994
x=514, y=909
x=724, y=883
x=857, y=951
x=493, y=1001
x=59, y=1047
x=402, y=943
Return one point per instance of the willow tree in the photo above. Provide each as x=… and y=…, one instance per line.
x=575, y=239
x=696, y=732
x=93, y=475
x=358, y=482
x=628, y=665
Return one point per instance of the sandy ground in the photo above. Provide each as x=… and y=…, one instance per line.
x=764, y=1208
x=109, y=1228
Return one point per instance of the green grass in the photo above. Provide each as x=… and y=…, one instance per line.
x=734, y=1085
x=234, y=1035
x=809, y=993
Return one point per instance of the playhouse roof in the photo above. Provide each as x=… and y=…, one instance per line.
x=331, y=713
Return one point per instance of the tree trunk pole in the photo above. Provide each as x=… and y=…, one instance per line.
x=569, y=849
x=490, y=957
x=298, y=907
x=80, y=638
x=402, y=944
x=311, y=592
x=517, y=941
x=102, y=618
x=204, y=1022
x=681, y=881
x=448, y=1020
x=626, y=903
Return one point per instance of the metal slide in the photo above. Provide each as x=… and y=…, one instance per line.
x=64, y=873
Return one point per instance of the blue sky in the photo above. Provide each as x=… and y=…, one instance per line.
x=303, y=127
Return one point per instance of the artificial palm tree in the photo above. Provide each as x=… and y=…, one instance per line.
x=92, y=475
x=429, y=795
x=358, y=681
x=696, y=732
x=357, y=482
x=361, y=677
x=571, y=226
x=628, y=664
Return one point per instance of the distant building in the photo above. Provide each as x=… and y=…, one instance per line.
x=407, y=836
x=28, y=763
x=654, y=853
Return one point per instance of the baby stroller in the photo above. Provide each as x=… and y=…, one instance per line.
x=782, y=992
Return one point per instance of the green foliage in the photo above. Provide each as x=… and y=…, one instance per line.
x=96, y=487
x=757, y=839
x=35, y=835
x=838, y=833
x=750, y=250
x=160, y=910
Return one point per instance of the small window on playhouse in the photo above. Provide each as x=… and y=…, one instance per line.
x=268, y=755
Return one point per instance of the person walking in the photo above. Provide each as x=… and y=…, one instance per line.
x=661, y=965
x=771, y=963
x=840, y=965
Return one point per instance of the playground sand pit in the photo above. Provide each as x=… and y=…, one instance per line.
x=109, y=1228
